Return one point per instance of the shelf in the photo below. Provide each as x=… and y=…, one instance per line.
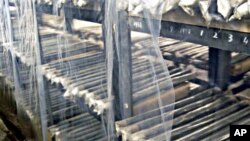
x=85, y=14
x=187, y=28
x=212, y=37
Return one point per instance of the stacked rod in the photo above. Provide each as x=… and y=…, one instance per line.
x=60, y=112
x=67, y=116
x=201, y=116
x=197, y=55
x=78, y=67
x=70, y=121
x=81, y=71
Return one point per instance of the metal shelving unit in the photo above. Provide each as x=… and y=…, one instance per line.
x=122, y=70
x=221, y=43
x=43, y=87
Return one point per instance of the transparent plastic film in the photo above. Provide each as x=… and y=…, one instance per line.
x=6, y=40
x=131, y=70
x=74, y=69
x=212, y=108
x=19, y=77
x=28, y=86
x=153, y=94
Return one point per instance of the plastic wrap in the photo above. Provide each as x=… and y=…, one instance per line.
x=108, y=69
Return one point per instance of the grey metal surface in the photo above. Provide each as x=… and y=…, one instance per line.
x=88, y=72
x=202, y=115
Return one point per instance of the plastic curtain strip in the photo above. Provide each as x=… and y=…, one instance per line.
x=158, y=92
x=31, y=94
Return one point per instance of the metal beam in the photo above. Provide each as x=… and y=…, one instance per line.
x=68, y=16
x=124, y=46
x=213, y=37
x=77, y=13
x=117, y=41
x=219, y=68
x=216, y=38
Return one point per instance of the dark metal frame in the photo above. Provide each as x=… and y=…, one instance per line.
x=122, y=62
x=122, y=73
x=221, y=43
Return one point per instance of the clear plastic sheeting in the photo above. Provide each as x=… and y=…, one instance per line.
x=152, y=87
x=4, y=27
x=131, y=70
x=88, y=78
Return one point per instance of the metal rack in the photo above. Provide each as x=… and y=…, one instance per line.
x=44, y=87
x=122, y=70
x=221, y=43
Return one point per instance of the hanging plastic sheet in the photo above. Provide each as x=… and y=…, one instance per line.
x=85, y=67
x=152, y=88
x=74, y=62
x=67, y=71
x=106, y=69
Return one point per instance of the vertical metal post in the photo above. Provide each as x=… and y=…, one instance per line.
x=123, y=47
x=219, y=67
x=122, y=61
x=68, y=15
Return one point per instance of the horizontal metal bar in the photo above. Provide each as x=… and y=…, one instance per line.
x=212, y=37
x=77, y=13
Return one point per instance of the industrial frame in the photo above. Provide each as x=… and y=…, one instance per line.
x=221, y=43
